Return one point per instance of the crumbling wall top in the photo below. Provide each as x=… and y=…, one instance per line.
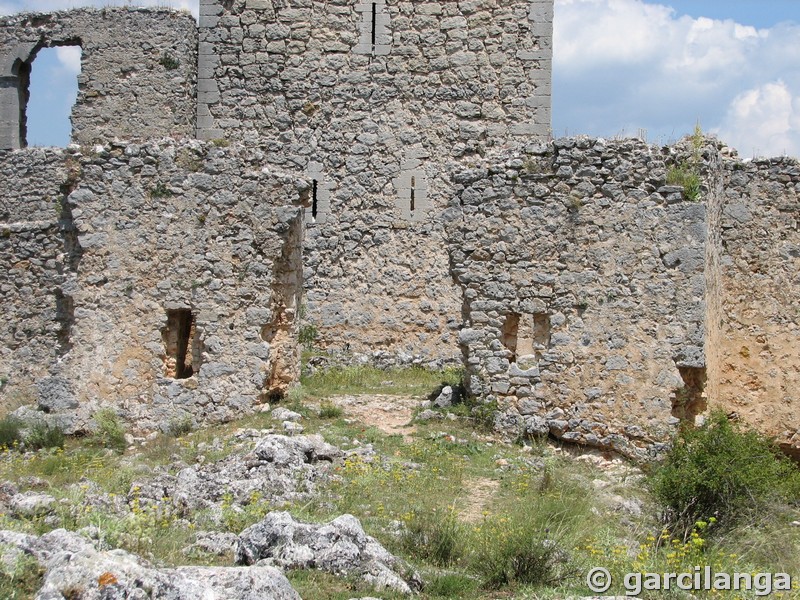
x=138, y=71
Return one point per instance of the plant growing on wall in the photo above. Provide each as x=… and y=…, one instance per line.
x=687, y=173
x=169, y=62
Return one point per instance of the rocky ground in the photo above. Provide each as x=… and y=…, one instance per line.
x=346, y=496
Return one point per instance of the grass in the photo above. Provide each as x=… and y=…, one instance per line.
x=20, y=578
x=365, y=379
x=535, y=533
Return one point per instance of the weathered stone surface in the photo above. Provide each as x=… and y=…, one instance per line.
x=148, y=234
x=277, y=469
x=576, y=280
x=74, y=568
x=339, y=546
x=138, y=71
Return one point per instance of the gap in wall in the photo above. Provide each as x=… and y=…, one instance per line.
x=50, y=96
x=183, y=349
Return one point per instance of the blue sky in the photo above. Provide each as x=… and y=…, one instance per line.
x=647, y=68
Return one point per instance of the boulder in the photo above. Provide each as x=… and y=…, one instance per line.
x=340, y=547
x=75, y=569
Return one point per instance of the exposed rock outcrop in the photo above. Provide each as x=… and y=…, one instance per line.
x=340, y=547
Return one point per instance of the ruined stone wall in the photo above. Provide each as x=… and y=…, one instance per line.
x=374, y=127
x=183, y=283
x=138, y=72
x=583, y=279
x=758, y=363
x=34, y=233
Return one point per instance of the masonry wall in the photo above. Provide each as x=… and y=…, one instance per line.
x=583, y=279
x=163, y=232
x=375, y=128
x=34, y=263
x=758, y=363
x=138, y=72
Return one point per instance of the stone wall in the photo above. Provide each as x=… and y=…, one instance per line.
x=138, y=72
x=168, y=285
x=603, y=307
x=583, y=284
x=34, y=262
x=756, y=350
x=374, y=128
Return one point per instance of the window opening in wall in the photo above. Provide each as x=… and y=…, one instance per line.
x=314, y=205
x=48, y=91
x=413, y=191
x=508, y=334
x=374, y=25
x=183, y=348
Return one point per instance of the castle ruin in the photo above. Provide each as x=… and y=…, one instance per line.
x=384, y=169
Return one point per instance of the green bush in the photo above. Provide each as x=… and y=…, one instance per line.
x=523, y=554
x=42, y=435
x=722, y=470
x=687, y=177
x=180, y=426
x=10, y=436
x=308, y=335
x=434, y=537
x=110, y=432
x=328, y=410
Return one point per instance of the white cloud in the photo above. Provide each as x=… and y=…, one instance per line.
x=764, y=120
x=70, y=58
x=623, y=65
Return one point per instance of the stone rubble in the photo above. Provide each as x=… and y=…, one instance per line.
x=340, y=547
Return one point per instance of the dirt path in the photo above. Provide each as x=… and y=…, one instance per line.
x=391, y=414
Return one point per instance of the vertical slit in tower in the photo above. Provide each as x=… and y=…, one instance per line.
x=374, y=24
x=413, y=192
x=314, y=199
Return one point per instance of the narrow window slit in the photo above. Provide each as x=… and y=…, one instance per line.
x=314, y=205
x=374, y=24
x=413, y=192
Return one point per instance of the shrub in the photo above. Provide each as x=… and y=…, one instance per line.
x=308, y=335
x=687, y=177
x=42, y=435
x=523, y=553
x=180, y=426
x=169, y=62
x=110, y=433
x=434, y=537
x=10, y=436
x=723, y=470
x=328, y=410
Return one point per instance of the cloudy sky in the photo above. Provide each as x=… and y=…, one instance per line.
x=651, y=68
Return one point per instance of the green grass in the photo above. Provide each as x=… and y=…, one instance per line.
x=533, y=533
x=317, y=585
x=20, y=579
x=366, y=379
